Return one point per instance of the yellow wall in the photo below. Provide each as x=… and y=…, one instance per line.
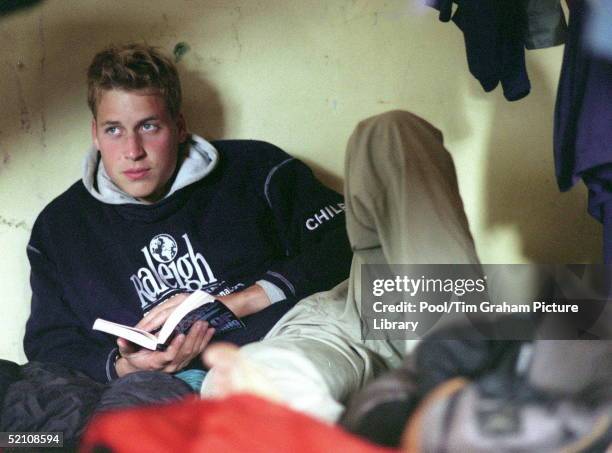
x=299, y=74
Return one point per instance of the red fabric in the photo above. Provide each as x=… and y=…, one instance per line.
x=241, y=423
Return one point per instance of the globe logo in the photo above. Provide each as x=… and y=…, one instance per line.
x=163, y=248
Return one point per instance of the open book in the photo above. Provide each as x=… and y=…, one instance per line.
x=199, y=306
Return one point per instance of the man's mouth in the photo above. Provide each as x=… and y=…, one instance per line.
x=136, y=173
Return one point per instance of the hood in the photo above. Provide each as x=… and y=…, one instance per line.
x=196, y=159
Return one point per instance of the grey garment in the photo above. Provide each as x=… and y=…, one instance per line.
x=402, y=204
x=546, y=25
x=469, y=420
x=575, y=368
x=197, y=158
x=579, y=369
x=598, y=30
x=50, y=397
x=401, y=194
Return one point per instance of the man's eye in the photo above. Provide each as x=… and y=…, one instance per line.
x=148, y=127
x=113, y=130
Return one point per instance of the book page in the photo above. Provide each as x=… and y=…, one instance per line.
x=195, y=300
x=138, y=336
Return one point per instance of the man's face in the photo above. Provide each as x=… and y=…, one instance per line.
x=138, y=140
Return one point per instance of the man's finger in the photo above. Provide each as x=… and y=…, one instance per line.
x=192, y=340
x=155, y=319
x=207, y=337
x=175, y=354
x=126, y=347
x=198, y=343
x=175, y=345
x=163, y=309
x=189, y=349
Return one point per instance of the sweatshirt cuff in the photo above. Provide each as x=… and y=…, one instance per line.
x=111, y=371
x=274, y=293
x=281, y=281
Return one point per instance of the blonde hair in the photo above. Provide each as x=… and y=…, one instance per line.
x=133, y=67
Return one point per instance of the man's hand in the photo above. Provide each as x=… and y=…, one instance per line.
x=156, y=317
x=180, y=351
x=182, y=348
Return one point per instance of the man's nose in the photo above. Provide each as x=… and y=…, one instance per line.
x=134, y=150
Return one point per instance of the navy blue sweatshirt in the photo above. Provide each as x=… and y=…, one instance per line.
x=259, y=215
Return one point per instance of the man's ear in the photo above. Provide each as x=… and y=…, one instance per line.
x=182, y=128
x=94, y=135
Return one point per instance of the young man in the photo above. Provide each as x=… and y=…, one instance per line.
x=160, y=212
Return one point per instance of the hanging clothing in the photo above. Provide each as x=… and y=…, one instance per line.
x=496, y=34
x=546, y=25
x=494, y=42
x=582, y=134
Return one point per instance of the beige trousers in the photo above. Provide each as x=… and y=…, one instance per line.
x=402, y=207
